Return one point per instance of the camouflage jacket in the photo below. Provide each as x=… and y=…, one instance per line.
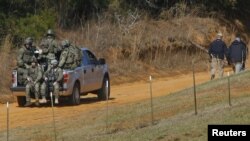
x=78, y=55
x=67, y=57
x=50, y=48
x=55, y=75
x=35, y=74
x=24, y=56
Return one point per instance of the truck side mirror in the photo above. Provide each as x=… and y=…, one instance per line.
x=102, y=61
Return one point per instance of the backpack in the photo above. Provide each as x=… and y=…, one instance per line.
x=70, y=56
x=78, y=55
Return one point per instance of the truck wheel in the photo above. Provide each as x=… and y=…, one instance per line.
x=21, y=101
x=75, y=97
x=104, y=92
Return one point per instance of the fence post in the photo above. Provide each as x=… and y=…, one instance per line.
x=228, y=86
x=53, y=114
x=7, y=106
x=151, y=97
x=195, y=103
x=107, y=102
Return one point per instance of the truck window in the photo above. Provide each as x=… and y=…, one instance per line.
x=89, y=58
x=84, y=58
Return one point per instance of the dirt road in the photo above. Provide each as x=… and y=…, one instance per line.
x=120, y=94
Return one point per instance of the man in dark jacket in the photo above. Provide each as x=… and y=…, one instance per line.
x=237, y=54
x=217, y=52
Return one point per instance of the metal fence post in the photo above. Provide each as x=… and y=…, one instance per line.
x=195, y=102
x=107, y=102
x=151, y=97
x=53, y=114
x=7, y=106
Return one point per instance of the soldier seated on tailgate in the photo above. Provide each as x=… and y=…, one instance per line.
x=52, y=79
x=33, y=82
x=24, y=59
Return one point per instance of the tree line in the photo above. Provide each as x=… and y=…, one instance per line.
x=34, y=17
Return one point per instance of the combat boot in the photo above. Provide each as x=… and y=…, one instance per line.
x=56, y=101
x=28, y=103
x=37, y=103
x=43, y=100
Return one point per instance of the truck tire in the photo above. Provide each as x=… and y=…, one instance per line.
x=75, y=97
x=21, y=100
x=104, y=92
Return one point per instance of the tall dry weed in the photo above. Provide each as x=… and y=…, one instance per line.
x=133, y=45
x=6, y=65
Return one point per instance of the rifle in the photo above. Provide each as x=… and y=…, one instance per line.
x=49, y=81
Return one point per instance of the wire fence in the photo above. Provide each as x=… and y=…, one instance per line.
x=104, y=123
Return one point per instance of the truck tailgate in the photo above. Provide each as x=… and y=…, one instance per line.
x=18, y=91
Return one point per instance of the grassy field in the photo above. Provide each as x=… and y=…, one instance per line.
x=174, y=117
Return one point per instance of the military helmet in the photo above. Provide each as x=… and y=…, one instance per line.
x=65, y=43
x=54, y=62
x=50, y=32
x=28, y=41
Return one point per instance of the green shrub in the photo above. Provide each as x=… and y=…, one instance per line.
x=32, y=25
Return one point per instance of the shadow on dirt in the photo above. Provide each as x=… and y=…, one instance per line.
x=64, y=102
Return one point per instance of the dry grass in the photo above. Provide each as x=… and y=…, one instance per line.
x=135, y=45
x=145, y=46
x=6, y=65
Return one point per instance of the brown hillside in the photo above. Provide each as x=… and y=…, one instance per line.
x=135, y=49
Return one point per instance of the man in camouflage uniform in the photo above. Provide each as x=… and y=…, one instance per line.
x=50, y=49
x=78, y=55
x=66, y=60
x=33, y=82
x=71, y=56
x=24, y=59
x=53, y=77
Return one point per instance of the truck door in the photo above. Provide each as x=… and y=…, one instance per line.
x=99, y=75
x=95, y=71
x=87, y=73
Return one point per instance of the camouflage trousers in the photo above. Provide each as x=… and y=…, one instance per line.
x=217, y=66
x=21, y=73
x=32, y=88
x=44, y=89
